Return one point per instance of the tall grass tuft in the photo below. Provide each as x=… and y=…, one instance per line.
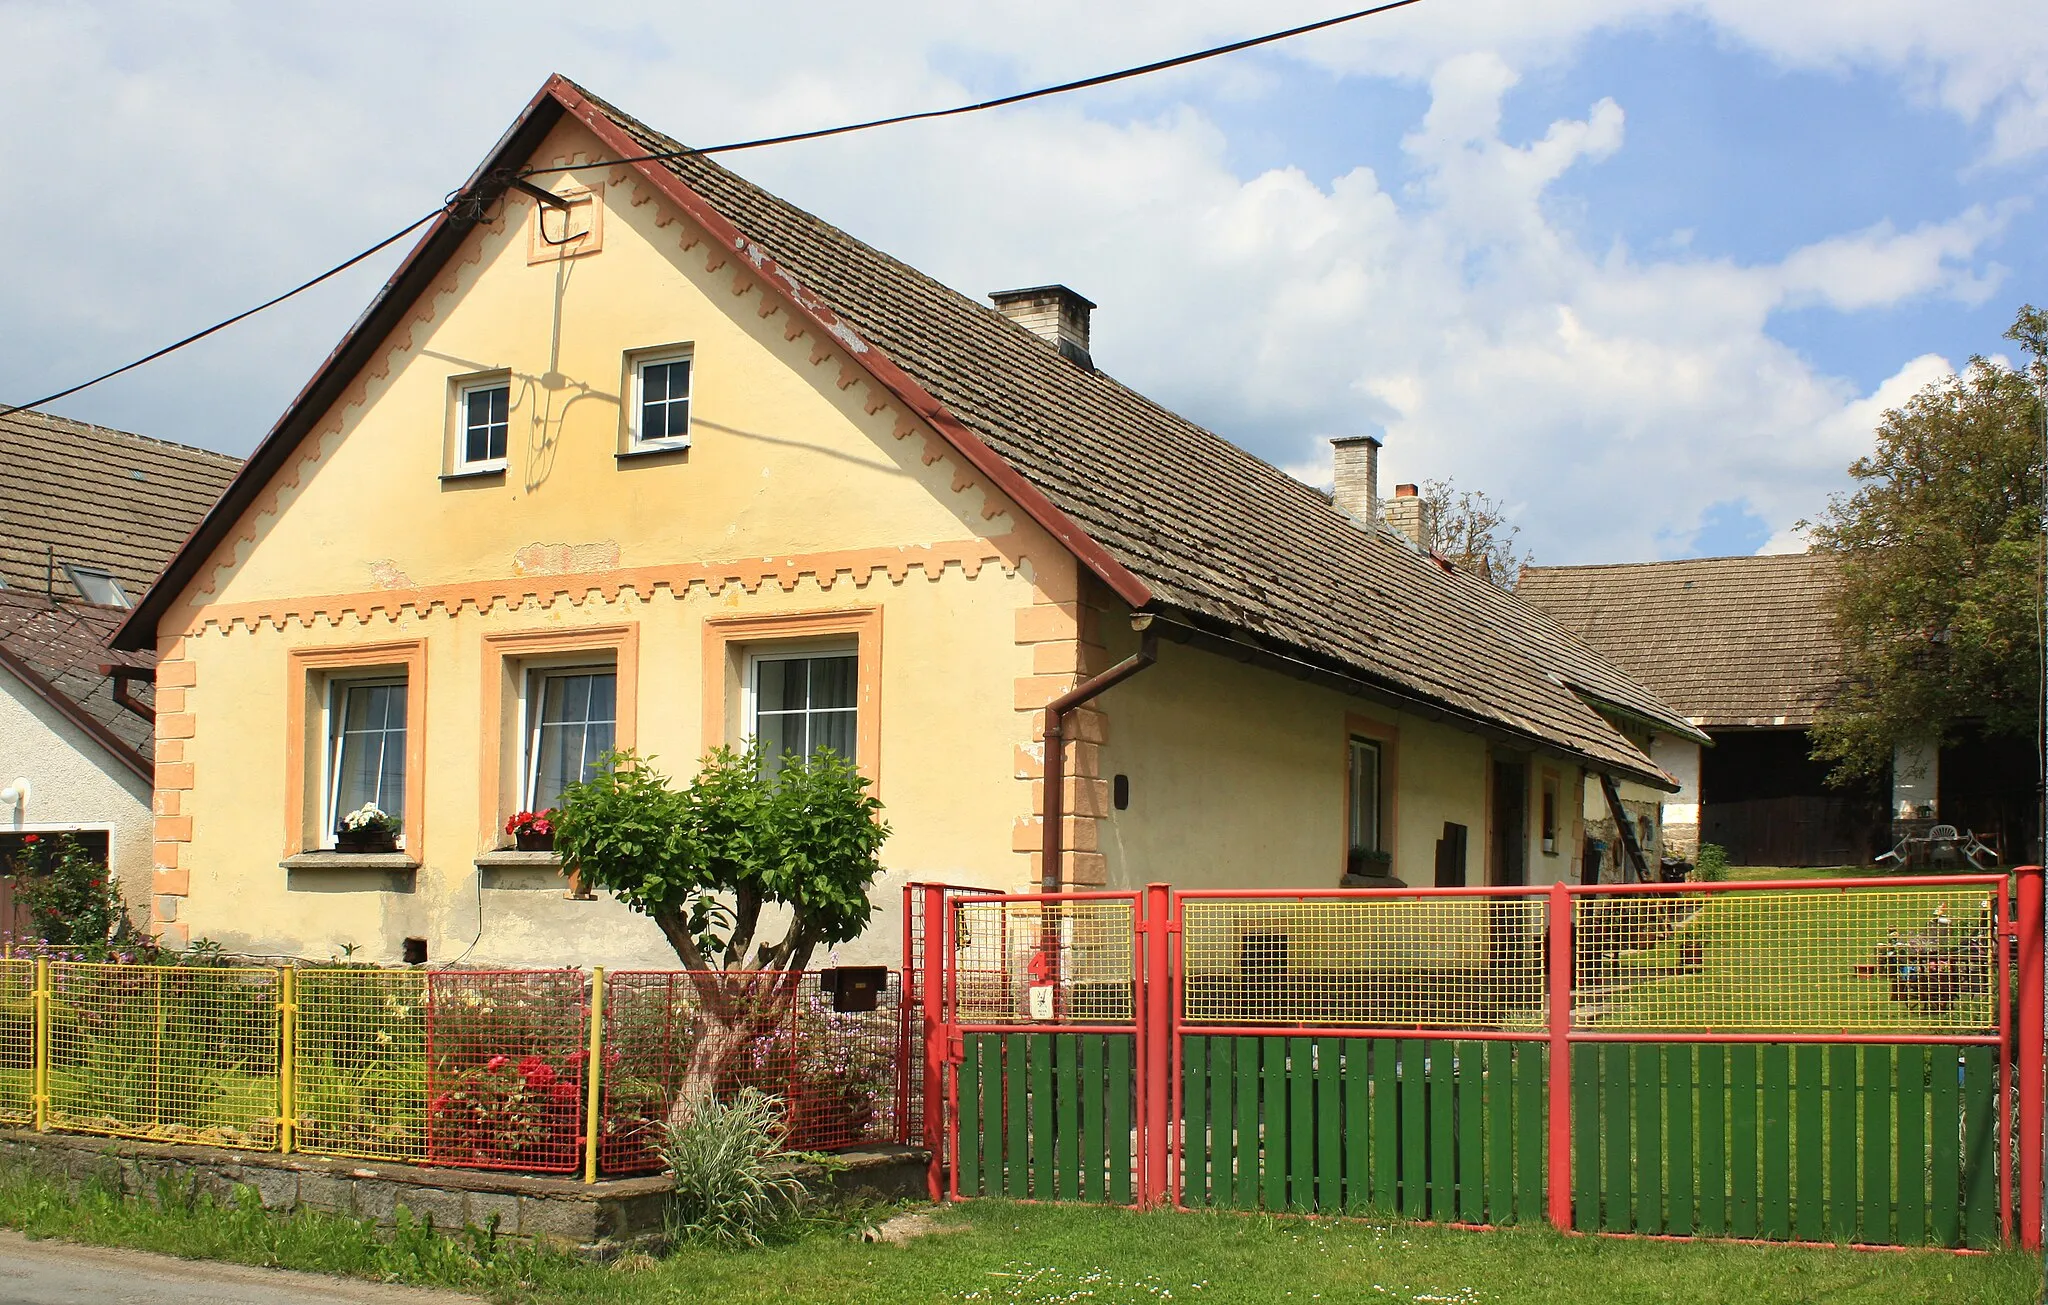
x=1711, y=865
x=733, y=1186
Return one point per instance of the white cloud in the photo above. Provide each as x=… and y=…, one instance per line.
x=206, y=155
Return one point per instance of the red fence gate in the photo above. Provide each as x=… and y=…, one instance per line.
x=1800, y=1061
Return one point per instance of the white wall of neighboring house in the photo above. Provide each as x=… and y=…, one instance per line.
x=74, y=784
x=1680, y=759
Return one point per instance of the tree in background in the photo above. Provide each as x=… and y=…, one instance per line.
x=716, y=862
x=1940, y=553
x=1471, y=530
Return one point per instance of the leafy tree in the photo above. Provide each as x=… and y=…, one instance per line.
x=1940, y=552
x=712, y=863
x=1471, y=530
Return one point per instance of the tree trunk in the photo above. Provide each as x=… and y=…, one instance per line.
x=738, y=1008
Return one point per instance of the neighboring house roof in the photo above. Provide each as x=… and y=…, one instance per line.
x=1729, y=641
x=56, y=651
x=101, y=498
x=1168, y=515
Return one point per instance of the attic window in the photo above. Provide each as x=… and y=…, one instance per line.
x=97, y=586
x=482, y=423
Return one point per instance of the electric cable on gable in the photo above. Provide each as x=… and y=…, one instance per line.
x=471, y=204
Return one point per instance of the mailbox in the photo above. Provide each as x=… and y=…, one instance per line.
x=854, y=987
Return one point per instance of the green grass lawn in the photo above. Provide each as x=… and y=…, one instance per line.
x=997, y=1252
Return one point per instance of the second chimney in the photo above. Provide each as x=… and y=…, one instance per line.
x=1408, y=512
x=1357, y=490
x=1054, y=314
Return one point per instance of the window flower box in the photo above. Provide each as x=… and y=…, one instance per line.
x=367, y=829
x=532, y=831
x=365, y=840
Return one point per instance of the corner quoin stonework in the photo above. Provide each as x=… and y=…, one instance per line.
x=175, y=725
x=1065, y=639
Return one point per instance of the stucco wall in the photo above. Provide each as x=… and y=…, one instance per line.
x=74, y=784
x=806, y=489
x=1238, y=778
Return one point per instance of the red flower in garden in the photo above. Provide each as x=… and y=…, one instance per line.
x=496, y=1063
x=537, y=1072
x=30, y=838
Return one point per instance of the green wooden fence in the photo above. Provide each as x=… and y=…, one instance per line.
x=1892, y=1145
x=1836, y=1143
x=1046, y=1116
x=1428, y=1129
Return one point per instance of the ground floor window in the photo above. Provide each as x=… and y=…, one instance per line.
x=572, y=717
x=801, y=702
x=1366, y=810
x=365, y=749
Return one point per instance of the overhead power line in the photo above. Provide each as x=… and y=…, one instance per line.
x=1001, y=101
x=473, y=202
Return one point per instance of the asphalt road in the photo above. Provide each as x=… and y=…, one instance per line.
x=60, y=1273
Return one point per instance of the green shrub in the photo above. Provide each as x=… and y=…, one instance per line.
x=732, y=1185
x=1711, y=866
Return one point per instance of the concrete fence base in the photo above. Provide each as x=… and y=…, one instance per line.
x=597, y=1219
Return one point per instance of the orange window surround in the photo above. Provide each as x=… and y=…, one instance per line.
x=506, y=657
x=728, y=640
x=309, y=671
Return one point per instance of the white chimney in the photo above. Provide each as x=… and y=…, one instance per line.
x=1357, y=491
x=1408, y=512
x=1054, y=314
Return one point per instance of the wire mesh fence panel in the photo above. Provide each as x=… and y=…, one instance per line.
x=359, y=1063
x=669, y=1034
x=17, y=1041
x=910, y=1080
x=1876, y=960
x=505, y=1055
x=165, y=1052
x=1473, y=962
x=1023, y=961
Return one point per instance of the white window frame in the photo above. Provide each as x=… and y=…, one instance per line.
x=461, y=460
x=332, y=723
x=640, y=363
x=1378, y=750
x=750, y=696
x=73, y=570
x=537, y=674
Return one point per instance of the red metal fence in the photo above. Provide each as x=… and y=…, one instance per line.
x=836, y=1073
x=1847, y=1061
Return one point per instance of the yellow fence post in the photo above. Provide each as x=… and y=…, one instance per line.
x=287, y=1034
x=39, y=1074
x=593, y=1076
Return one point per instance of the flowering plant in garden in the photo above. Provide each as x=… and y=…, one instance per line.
x=370, y=817
x=532, y=822
x=70, y=896
x=506, y=1112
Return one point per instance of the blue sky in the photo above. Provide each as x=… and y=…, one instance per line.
x=1647, y=270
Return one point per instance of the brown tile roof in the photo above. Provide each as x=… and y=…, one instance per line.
x=57, y=650
x=1726, y=640
x=105, y=498
x=1210, y=528
x=1149, y=501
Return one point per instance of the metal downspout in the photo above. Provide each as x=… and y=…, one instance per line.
x=1056, y=743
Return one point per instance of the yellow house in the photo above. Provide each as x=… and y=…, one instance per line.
x=630, y=452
